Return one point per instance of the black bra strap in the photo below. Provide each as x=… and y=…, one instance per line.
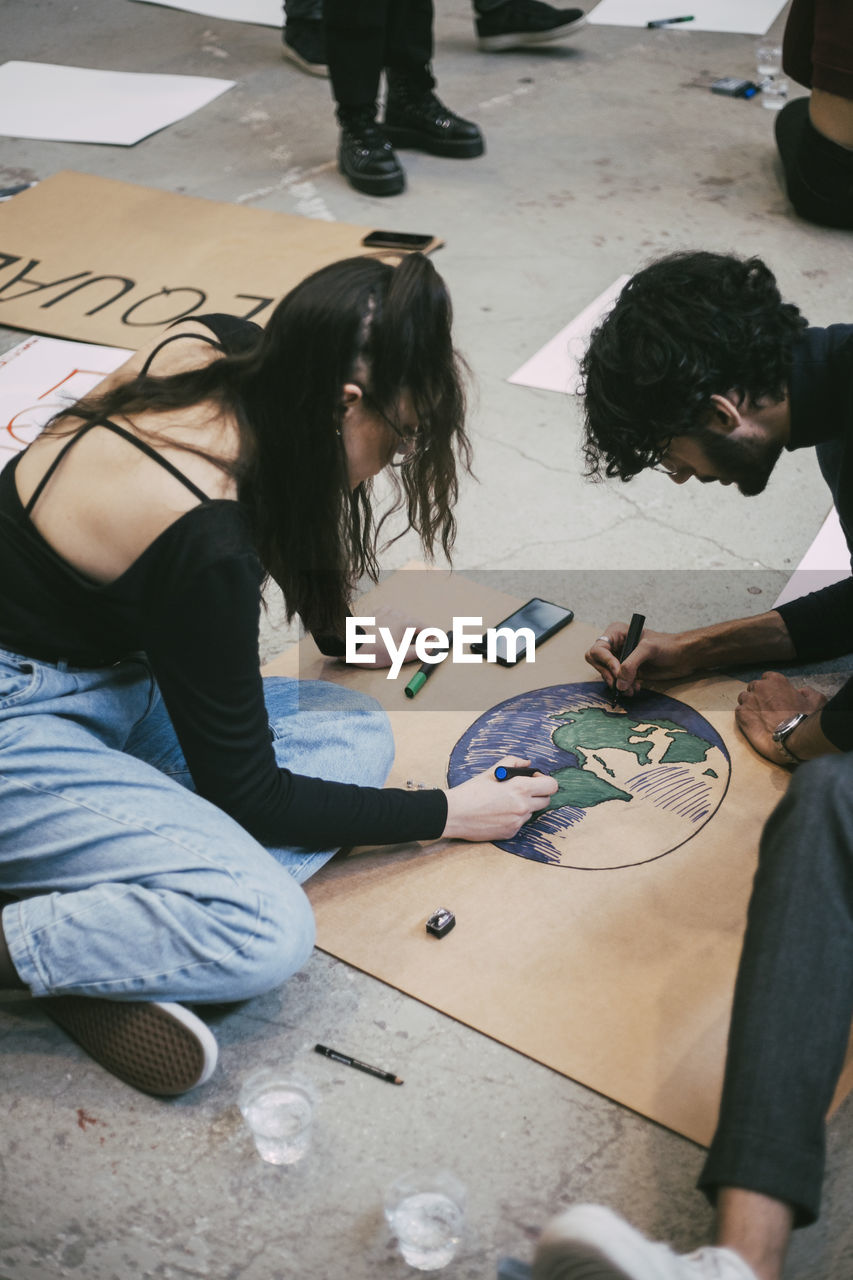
x=142, y=445
x=199, y=337
x=37, y=492
x=151, y=452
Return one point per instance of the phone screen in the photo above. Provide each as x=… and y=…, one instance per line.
x=543, y=619
x=396, y=240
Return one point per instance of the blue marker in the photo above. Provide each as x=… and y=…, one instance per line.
x=503, y=772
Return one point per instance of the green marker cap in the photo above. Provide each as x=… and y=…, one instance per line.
x=416, y=683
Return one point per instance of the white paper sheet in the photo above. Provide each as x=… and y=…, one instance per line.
x=826, y=561
x=76, y=104
x=752, y=17
x=555, y=366
x=41, y=376
x=265, y=13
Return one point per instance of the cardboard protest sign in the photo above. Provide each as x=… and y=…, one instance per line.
x=608, y=949
x=113, y=263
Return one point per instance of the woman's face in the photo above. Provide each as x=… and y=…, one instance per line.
x=373, y=440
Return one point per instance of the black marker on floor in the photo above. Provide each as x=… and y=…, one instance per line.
x=632, y=639
x=359, y=1066
x=666, y=22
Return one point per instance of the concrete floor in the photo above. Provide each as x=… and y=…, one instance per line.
x=602, y=153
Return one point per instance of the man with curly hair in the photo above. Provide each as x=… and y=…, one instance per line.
x=703, y=371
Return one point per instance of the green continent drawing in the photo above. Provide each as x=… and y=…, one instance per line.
x=590, y=729
x=584, y=789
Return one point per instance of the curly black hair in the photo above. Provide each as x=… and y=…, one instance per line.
x=687, y=327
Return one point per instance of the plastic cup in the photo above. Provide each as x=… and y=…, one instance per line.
x=771, y=78
x=278, y=1111
x=425, y=1209
x=768, y=58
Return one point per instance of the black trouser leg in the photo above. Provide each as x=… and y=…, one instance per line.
x=793, y=998
x=365, y=36
x=355, y=46
x=409, y=47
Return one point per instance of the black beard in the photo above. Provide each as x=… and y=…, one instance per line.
x=749, y=465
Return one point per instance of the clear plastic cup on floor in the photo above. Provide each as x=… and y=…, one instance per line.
x=278, y=1109
x=771, y=78
x=425, y=1209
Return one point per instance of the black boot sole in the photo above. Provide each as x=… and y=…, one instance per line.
x=383, y=185
x=415, y=140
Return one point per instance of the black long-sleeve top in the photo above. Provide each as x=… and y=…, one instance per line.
x=821, y=405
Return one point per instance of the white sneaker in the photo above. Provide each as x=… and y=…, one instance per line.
x=589, y=1242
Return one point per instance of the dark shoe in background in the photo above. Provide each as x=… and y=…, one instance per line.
x=366, y=157
x=818, y=171
x=525, y=22
x=304, y=42
x=417, y=118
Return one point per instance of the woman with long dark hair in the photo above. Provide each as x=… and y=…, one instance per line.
x=162, y=802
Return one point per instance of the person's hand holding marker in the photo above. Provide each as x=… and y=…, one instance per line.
x=657, y=656
x=484, y=808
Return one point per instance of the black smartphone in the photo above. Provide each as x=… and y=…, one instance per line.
x=396, y=240
x=542, y=617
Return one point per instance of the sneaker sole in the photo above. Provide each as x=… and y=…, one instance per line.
x=412, y=139
x=519, y=39
x=161, y=1049
x=392, y=185
x=312, y=68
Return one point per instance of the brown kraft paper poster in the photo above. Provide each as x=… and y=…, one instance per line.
x=618, y=974
x=97, y=260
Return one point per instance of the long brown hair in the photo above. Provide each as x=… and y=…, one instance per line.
x=361, y=320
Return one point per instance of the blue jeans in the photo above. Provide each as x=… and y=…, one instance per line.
x=128, y=884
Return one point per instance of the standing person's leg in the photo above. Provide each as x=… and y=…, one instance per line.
x=516, y=24
x=815, y=135
x=303, y=37
x=789, y=1032
x=128, y=889
x=355, y=45
x=414, y=116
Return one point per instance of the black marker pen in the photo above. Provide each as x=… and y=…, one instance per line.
x=632, y=639
x=665, y=22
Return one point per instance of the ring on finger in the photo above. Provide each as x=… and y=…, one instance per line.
x=602, y=640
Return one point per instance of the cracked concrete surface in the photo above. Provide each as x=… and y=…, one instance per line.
x=602, y=153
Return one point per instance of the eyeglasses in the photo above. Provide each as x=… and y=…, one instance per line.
x=411, y=442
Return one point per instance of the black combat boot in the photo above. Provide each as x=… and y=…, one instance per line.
x=417, y=118
x=365, y=156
